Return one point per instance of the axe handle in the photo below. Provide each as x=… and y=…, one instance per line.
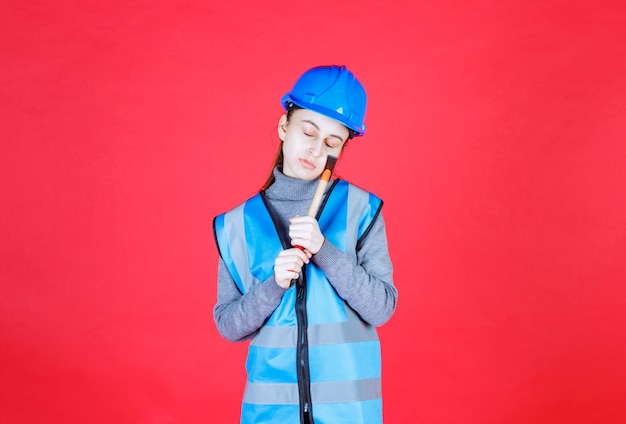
x=321, y=187
x=319, y=192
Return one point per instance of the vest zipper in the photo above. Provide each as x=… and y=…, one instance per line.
x=302, y=352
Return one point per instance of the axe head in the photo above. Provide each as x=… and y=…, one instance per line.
x=330, y=166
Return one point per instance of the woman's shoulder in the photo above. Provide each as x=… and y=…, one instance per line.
x=355, y=187
x=241, y=205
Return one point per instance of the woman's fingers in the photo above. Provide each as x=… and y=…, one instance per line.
x=304, y=231
x=288, y=265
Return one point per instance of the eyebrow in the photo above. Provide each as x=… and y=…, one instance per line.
x=318, y=128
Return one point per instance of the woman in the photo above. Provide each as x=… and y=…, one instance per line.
x=308, y=291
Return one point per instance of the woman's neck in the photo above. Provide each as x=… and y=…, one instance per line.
x=289, y=188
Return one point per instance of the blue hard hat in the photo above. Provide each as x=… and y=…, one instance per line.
x=332, y=91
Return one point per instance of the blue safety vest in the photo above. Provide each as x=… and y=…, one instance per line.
x=314, y=354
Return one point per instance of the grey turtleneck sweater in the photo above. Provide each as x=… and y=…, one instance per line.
x=367, y=286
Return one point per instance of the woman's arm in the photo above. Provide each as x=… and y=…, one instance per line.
x=367, y=286
x=238, y=316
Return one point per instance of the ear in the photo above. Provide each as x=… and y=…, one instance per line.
x=282, y=127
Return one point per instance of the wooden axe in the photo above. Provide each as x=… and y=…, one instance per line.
x=321, y=186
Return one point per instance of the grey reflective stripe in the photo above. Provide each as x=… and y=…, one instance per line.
x=357, y=201
x=234, y=227
x=346, y=391
x=341, y=332
x=319, y=334
x=270, y=336
x=326, y=392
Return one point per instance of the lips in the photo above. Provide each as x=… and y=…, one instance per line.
x=307, y=164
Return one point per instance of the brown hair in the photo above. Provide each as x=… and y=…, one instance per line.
x=278, y=157
x=278, y=161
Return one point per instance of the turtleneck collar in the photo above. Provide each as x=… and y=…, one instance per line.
x=289, y=188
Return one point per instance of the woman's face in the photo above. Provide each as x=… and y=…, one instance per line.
x=308, y=138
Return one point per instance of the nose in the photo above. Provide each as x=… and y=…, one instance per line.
x=316, y=148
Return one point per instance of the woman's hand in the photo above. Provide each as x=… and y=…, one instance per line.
x=304, y=231
x=288, y=265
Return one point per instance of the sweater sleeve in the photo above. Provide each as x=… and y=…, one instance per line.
x=239, y=316
x=366, y=286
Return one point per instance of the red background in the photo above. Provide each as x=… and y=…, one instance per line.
x=496, y=137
